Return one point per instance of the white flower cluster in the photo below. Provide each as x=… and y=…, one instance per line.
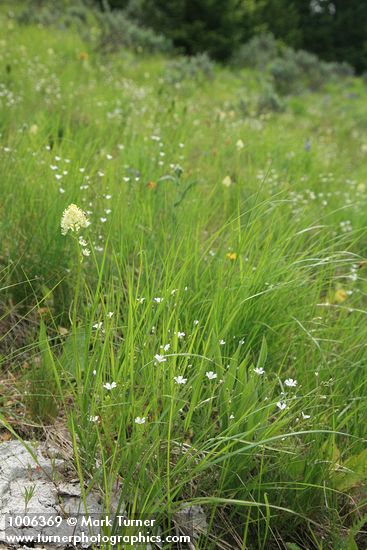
x=73, y=219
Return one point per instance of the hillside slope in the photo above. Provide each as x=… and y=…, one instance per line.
x=203, y=339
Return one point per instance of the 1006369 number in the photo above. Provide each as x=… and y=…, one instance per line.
x=34, y=521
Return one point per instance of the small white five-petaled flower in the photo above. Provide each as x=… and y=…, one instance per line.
x=160, y=358
x=259, y=370
x=140, y=420
x=109, y=386
x=281, y=405
x=180, y=379
x=290, y=383
x=211, y=375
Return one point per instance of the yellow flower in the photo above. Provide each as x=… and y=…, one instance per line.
x=340, y=296
x=232, y=256
x=227, y=181
x=73, y=219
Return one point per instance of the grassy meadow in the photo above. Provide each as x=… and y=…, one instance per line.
x=202, y=342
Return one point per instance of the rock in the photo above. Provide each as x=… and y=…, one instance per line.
x=36, y=486
x=191, y=521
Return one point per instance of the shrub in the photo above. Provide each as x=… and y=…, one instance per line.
x=286, y=75
x=198, y=67
x=62, y=15
x=257, y=53
x=269, y=101
x=117, y=31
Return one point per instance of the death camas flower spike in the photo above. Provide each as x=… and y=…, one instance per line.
x=73, y=219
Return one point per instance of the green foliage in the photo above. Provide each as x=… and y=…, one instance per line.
x=210, y=26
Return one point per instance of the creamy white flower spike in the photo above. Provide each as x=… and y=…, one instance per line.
x=73, y=219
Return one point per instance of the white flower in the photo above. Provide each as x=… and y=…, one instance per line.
x=227, y=182
x=98, y=325
x=180, y=335
x=93, y=418
x=211, y=375
x=94, y=372
x=196, y=322
x=222, y=342
x=103, y=220
x=166, y=347
x=110, y=314
x=259, y=370
x=180, y=380
x=290, y=383
x=139, y=420
x=158, y=300
x=160, y=358
x=85, y=251
x=73, y=219
x=240, y=145
x=231, y=417
x=305, y=416
x=82, y=241
x=109, y=386
x=281, y=405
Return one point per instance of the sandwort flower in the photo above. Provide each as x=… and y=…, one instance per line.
x=140, y=420
x=180, y=379
x=109, y=386
x=211, y=375
x=259, y=370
